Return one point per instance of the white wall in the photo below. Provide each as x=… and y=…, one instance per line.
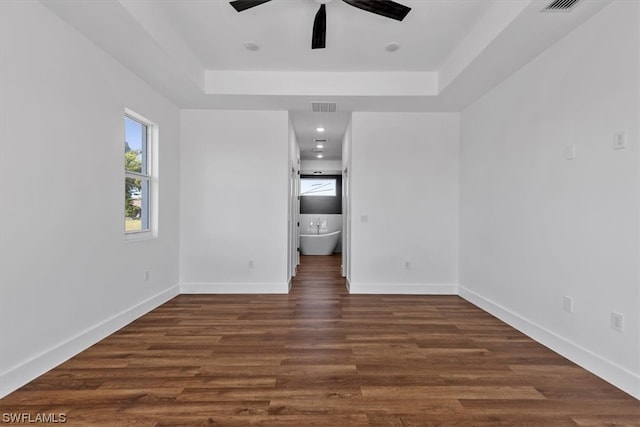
x=326, y=166
x=536, y=227
x=234, y=201
x=68, y=277
x=404, y=180
x=346, y=205
x=294, y=203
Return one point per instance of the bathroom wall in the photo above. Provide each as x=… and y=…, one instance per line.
x=321, y=204
x=537, y=225
x=328, y=223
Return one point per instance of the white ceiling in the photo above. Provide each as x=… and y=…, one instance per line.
x=451, y=52
x=305, y=125
x=355, y=38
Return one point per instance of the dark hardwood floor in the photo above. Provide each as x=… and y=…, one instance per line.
x=321, y=357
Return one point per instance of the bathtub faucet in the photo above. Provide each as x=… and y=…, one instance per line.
x=318, y=225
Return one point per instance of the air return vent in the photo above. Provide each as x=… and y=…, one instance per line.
x=560, y=6
x=324, y=107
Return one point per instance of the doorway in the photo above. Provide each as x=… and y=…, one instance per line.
x=318, y=144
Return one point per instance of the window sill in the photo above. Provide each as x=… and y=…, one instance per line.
x=139, y=235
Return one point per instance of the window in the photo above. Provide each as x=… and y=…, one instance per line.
x=321, y=194
x=137, y=182
x=317, y=187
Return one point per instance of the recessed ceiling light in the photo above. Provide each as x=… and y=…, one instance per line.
x=320, y=129
x=319, y=156
x=251, y=46
x=392, y=47
x=319, y=145
x=317, y=172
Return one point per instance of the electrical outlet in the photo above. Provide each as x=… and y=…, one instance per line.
x=620, y=140
x=407, y=265
x=617, y=322
x=250, y=263
x=570, y=152
x=567, y=304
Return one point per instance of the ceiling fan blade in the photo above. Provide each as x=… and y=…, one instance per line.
x=241, y=5
x=387, y=8
x=319, y=36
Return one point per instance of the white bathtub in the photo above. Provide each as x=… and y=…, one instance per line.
x=318, y=244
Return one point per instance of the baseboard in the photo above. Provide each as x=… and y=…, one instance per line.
x=16, y=377
x=404, y=288
x=234, y=288
x=609, y=371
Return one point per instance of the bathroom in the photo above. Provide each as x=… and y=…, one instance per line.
x=320, y=212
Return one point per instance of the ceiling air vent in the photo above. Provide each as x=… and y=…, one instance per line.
x=324, y=107
x=560, y=6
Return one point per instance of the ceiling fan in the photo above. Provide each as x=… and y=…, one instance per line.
x=386, y=8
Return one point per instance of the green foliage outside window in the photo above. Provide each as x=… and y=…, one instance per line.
x=133, y=187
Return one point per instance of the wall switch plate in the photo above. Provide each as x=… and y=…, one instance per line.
x=364, y=218
x=570, y=152
x=250, y=263
x=617, y=322
x=146, y=275
x=620, y=140
x=567, y=304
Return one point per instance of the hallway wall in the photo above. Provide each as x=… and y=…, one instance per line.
x=234, y=201
x=404, y=202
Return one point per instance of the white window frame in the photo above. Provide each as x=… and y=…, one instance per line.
x=149, y=203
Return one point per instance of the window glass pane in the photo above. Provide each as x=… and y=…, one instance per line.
x=132, y=204
x=317, y=187
x=135, y=146
x=136, y=203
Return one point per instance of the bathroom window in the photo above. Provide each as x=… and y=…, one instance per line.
x=138, y=181
x=317, y=187
x=321, y=194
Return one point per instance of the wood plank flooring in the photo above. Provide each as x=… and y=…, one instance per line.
x=321, y=357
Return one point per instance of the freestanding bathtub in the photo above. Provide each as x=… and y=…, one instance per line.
x=319, y=244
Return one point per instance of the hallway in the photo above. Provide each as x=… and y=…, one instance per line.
x=322, y=357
